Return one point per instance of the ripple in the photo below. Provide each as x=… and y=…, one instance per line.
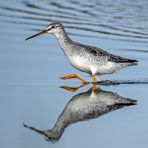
x=125, y=21
x=119, y=82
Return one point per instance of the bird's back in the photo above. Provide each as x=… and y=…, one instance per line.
x=98, y=52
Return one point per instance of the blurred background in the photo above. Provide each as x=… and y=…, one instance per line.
x=30, y=70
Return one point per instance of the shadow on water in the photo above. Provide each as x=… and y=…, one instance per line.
x=84, y=106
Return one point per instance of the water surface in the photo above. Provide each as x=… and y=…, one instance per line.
x=29, y=78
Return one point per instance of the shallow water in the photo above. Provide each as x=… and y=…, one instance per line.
x=29, y=78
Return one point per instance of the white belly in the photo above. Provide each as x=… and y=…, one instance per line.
x=80, y=63
x=83, y=64
x=105, y=68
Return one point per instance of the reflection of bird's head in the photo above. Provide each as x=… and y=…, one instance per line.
x=50, y=135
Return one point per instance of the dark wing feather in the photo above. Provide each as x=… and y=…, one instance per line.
x=117, y=59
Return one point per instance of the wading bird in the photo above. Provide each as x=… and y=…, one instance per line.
x=89, y=59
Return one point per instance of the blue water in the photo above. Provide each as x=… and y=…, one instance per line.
x=29, y=71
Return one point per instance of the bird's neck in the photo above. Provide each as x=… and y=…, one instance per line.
x=58, y=128
x=63, y=39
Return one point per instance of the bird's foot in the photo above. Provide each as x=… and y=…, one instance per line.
x=72, y=76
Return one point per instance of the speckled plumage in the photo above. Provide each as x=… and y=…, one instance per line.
x=89, y=59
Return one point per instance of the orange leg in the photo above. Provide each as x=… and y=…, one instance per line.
x=71, y=76
x=93, y=88
x=94, y=79
x=73, y=89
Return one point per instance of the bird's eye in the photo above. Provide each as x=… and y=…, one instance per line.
x=53, y=27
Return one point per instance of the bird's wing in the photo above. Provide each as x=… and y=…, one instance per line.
x=113, y=58
x=119, y=59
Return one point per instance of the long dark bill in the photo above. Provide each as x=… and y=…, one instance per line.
x=40, y=33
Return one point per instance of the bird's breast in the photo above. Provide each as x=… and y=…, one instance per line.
x=80, y=63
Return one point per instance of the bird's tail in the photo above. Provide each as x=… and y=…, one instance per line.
x=128, y=62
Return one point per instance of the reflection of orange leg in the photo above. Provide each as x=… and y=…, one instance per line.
x=94, y=88
x=94, y=79
x=73, y=89
x=94, y=82
x=71, y=76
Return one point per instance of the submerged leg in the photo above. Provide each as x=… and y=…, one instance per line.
x=71, y=76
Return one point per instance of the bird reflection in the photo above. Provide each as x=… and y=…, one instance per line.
x=83, y=106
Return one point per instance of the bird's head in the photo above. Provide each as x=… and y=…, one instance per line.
x=53, y=28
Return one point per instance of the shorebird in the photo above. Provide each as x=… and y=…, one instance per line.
x=92, y=60
x=83, y=106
